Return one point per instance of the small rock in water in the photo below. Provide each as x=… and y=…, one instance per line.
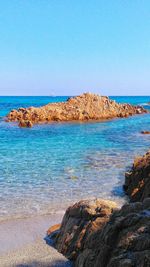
x=145, y=132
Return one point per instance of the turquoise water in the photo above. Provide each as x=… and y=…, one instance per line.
x=47, y=167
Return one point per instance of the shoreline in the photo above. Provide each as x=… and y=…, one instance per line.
x=22, y=242
x=36, y=254
x=21, y=231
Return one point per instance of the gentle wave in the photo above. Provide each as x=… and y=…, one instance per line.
x=46, y=168
x=144, y=104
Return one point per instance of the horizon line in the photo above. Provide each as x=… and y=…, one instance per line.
x=71, y=95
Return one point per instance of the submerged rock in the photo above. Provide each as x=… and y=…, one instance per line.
x=92, y=236
x=137, y=180
x=145, y=132
x=81, y=108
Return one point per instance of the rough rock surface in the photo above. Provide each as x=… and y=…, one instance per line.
x=118, y=240
x=137, y=181
x=123, y=242
x=81, y=108
x=79, y=222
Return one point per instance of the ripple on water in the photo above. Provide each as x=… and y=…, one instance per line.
x=44, y=169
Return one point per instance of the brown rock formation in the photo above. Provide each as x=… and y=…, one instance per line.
x=79, y=222
x=92, y=237
x=81, y=108
x=137, y=181
x=123, y=242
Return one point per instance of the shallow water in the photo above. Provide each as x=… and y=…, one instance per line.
x=45, y=168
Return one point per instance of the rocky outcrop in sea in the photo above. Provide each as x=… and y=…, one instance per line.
x=80, y=108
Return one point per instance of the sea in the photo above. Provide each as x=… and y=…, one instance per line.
x=45, y=168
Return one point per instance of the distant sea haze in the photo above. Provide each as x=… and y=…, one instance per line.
x=47, y=167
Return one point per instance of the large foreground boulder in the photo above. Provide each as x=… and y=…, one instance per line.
x=92, y=237
x=80, y=108
x=79, y=222
x=137, y=180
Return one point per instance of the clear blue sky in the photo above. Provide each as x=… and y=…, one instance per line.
x=65, y=47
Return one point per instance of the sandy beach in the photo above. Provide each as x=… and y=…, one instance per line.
x=22, y=243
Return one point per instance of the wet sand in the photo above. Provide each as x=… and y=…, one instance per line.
x=22, y=243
